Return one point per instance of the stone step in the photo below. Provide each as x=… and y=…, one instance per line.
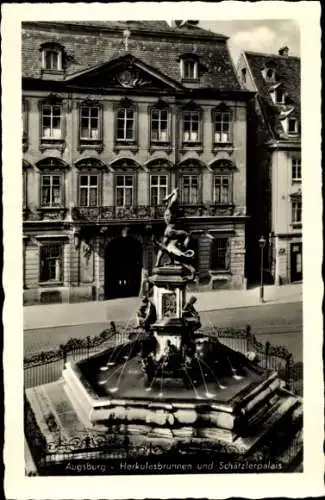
x=81, y=413
x=272, y=419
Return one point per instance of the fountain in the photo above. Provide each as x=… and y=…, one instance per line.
x=170, y=384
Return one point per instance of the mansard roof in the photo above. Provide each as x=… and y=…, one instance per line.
x=154, y=43
x=287, y=73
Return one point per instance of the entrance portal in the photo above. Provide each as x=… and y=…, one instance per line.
x=296, y=262
x=123, y=266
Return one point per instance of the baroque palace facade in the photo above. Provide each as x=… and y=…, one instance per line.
x=115, y=115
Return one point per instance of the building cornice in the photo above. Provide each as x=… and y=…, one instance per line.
x=284, y=144
x=35, y=84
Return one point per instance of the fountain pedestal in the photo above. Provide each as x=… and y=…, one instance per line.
x=169, y=298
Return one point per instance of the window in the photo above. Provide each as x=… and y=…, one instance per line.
x=296, y=211
x=125, y=124
x=269, y=74
x=52, y=121
x=191, y=124
x=222, y=125
x=243, y=75
x=51, y=190
x=158, y=189
x=220, y=255
x=159, y=125
x=89, y=123
x=292, y=126
x=89, y=190
x=124, y=190
x=189, y=67
x=279, y=96
x=296, y=169
x=52, y=57
x=190, y=189
x=221, y=192
x=51, y=262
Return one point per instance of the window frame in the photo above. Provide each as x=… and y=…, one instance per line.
x=295, y=166
x=52, y=167
x=52, y=174
x=190, y=59
x=295, y=131
x=296, y=201
x=222, y=176
x=89, y=174
x=187, y=142
x=158, y=186
x=52, y=142
x=198, y=175
x=52, y=282
x=133, y=190
x=276, y=91
x=223, y=109
x=126, y=105
x=159, y=142
x=227, y=256
x=52, y=48
x=88, y=142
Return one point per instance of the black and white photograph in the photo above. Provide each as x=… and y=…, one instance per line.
x=161, y=237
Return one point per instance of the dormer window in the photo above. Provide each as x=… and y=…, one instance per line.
x=269, y=74
x=279, y=96
x=292, y=126
x=52, y=57
x=189, y=67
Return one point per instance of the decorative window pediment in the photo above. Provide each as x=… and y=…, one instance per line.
x=191, y=165
x=124, y=164
x=90, y=164
x=158, y=164
x=222, y=165
x=52, y=163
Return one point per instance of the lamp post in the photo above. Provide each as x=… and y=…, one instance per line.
x=262, y=242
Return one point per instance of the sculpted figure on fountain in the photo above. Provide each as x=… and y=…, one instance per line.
x=175, y=241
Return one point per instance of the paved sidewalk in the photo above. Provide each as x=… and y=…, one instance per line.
x=56, y=315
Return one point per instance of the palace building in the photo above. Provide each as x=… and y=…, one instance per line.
x=274, y=174
x=115, y=115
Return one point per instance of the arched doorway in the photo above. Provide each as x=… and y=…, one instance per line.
x=123, y=266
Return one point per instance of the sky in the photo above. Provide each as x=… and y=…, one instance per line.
x=258, y=35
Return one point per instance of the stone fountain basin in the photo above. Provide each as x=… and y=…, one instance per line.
x=105, y=391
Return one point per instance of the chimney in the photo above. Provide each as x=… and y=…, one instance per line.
x=284, y=51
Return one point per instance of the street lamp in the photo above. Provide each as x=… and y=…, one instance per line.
x=262, y=242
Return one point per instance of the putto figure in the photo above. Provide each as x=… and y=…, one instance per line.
x=175, y=241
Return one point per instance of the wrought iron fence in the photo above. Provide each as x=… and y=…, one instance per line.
x=47, y=366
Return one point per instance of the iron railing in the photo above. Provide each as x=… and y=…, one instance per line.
x=46, y=366
x=113, y=212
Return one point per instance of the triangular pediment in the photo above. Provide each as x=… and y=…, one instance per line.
x=126, y=72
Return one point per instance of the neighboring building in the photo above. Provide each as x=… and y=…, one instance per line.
x=116, y=114
x=274, y=197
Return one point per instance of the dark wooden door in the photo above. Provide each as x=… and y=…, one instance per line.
x=123, y=266
x=296, y=262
